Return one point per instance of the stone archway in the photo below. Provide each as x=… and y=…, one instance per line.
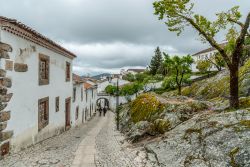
x=103, y=102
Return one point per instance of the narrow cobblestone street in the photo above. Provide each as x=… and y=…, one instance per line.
x=96, y=143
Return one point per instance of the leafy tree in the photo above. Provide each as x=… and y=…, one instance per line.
x=217, y=60
x=167, y=63
x=110, y=89
x=129, y=77
x=169, y=83
x=131, y=89
x=203, y=66
x=181, y=66
x=178, y=14
x=140, y=77
x=156, y=61
x=157, y=77
x=137, y=87
x=246, y=52
x=164, y=67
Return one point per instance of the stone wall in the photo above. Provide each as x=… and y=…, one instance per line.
x=5, y=97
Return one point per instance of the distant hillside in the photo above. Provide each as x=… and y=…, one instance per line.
x=101, y=75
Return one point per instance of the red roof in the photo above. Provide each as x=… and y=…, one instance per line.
x=77, y=79
x=87, y=85
x=19, y=29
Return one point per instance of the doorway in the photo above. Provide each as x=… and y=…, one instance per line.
x=67, y=113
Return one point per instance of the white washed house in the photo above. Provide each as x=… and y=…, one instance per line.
x=113, y=81
x=36, y=86
x=78, y=101
x=205, y=55
x=131, y=71
x=90, y=99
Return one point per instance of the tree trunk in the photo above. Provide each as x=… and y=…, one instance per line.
x=234, y=87
x=179, y=90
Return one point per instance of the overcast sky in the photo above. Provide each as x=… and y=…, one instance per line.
x=108, y=35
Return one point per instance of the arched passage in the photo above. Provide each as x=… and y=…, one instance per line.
x=102, y=102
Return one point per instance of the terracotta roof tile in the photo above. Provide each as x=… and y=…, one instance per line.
x=77, y=79
x=87, y=85
x=15, y=27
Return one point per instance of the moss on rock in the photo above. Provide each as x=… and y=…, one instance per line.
x=218, y=86
x=161, y=126
x=245, y=102
x=144, y=107
x=245, y=123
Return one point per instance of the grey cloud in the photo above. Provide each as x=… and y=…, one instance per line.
x=114, y=55
x=111, y=33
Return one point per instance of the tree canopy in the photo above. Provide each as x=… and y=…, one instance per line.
x=203, y=65
x=180, y=66
x=178, y=14
x=156, y=61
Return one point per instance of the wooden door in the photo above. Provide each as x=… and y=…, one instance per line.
x=67, y=113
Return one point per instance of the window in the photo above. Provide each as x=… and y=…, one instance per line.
x=82, y=94
x=43, y=69
x=74, y=94
x=57, y=104
x=67, y=71
x=43, y=113
x=77, y=112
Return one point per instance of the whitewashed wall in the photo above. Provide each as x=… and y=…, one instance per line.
x=122, y=100
x=79, y=102
x=90, y=106
x=26, y=89
x=203, y=56
x=103, y=85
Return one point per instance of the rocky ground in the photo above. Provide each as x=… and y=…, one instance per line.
x=188, y=132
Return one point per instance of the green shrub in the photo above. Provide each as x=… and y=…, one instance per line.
x=144, y=107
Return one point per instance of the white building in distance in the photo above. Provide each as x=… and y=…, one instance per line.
x=132, y=71
x=205, y=55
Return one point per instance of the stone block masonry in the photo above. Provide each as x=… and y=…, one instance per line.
x=19, y=67
x=5, y=83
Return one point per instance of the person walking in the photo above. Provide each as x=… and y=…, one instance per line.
x=105, y=109
x=99, y=110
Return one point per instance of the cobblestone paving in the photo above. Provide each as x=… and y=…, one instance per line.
x=114, y=151
x=58, y=151
x=111, y=149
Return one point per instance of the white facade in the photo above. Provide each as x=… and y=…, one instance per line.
x=90, y=99
x=78, y=103
x=26, y=91
x=204, y=55
x=102, y=85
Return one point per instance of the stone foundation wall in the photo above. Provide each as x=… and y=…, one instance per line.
x=5, y=97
